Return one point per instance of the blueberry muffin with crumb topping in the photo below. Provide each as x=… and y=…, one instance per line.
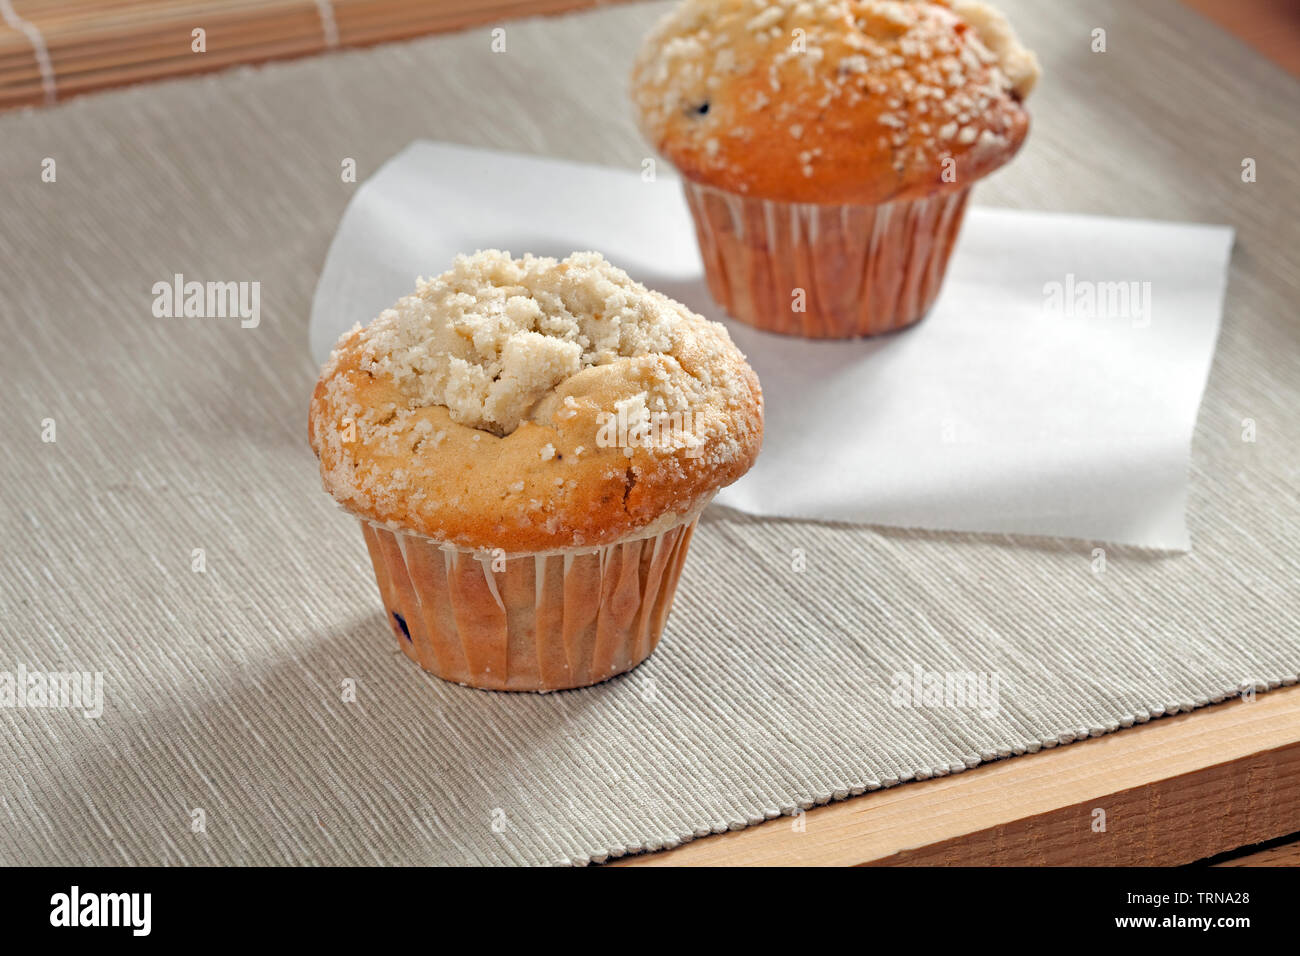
x=528, y=443
x=828, y=147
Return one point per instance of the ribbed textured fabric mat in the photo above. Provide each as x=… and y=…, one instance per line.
x=772, y=689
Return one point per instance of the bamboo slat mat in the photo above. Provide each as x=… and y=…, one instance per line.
x=53, y=49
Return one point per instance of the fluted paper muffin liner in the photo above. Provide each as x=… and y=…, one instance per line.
x=862, y=269
x=528, y=622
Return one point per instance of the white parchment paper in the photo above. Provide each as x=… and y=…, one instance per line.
x=1052, y=390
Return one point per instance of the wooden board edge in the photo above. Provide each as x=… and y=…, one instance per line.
x=1284, y=852
x=1174, y=790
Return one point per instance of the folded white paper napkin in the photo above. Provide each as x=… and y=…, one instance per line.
x=1052, y=390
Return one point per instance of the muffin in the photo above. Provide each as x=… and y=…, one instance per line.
x=827, y=147
x=527, y=444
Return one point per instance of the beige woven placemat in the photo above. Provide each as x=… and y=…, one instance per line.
x=225, y=735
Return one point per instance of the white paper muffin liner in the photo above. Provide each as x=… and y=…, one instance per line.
x=528, y=622
x=862, y=269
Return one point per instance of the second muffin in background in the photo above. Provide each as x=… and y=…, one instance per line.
x=828, y=147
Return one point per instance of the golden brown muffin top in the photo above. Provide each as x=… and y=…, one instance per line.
x=533, y=405
x=833, y=101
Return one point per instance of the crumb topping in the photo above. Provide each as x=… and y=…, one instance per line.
x=493, y=336
x=1018, y=64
